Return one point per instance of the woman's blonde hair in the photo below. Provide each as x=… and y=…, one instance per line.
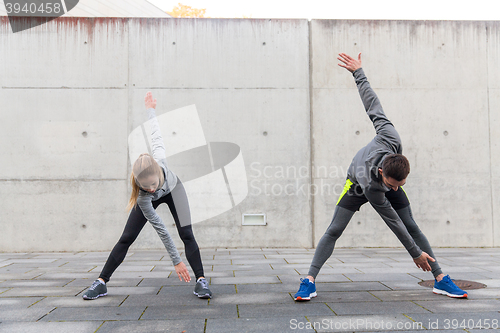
x=144, y=166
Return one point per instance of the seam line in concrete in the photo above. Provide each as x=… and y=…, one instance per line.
x=87, y=180
x=416, y=277
x=142, y=313
x=312, y=325
x=81, y=291
x=123, y=300
x=311, y=138
x=489, y=140
x=347, y=277
x=162, y=88
x=129, y=108
x=65, y=88
x=100, y=326
x=331, y=309
x=421, y=306
x=369, y=292
x=385, y=285
x=45, y=314
x=421, y=323
x=37, y=302
x=68, y=283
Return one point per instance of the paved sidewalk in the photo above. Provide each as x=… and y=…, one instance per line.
x=358, y=290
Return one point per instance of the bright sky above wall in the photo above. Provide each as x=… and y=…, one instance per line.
x=336, y=9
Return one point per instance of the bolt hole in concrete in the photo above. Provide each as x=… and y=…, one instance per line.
x=448, y=222
x=265, y=133
x=84, y=134
x=264, y=43
x=462, y=284
x=173, y=43
x=84, y=226
x=445, y=133
x=358, y=132
x=359, y=222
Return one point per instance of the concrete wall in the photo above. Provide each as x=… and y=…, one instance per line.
x=72, y=91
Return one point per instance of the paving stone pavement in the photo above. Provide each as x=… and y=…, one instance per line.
x=359, y=290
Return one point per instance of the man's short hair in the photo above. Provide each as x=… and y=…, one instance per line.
x=396, y=166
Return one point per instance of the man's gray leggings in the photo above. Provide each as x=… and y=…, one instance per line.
x=346, y=207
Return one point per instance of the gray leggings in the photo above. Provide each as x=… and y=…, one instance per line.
x=342, y=216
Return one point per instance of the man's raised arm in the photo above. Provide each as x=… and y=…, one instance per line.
x=382, y=124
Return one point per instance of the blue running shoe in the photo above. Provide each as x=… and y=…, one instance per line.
x=447, y=287
x=306, y=291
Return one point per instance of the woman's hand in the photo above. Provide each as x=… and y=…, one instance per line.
x=182, y=272
x=349, y=62
x=148, y=100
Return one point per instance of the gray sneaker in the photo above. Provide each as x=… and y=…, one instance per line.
x=201, y=289
x=97, y=289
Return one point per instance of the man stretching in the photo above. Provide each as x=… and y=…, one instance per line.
x=376, y=175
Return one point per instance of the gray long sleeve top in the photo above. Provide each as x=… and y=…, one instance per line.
x=364, y=166
x=145, y=199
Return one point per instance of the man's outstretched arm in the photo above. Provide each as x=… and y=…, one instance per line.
x=393, y=221
x=383, y=126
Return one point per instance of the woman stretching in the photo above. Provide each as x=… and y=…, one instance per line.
x=152, y=184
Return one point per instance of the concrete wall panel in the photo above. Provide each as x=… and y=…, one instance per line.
x=493, y=35
x=67, y=52
x=410, y=54
x=272, y=131
x=63, y=134
x=62, y=215
x=494, y=105
x=251, y=94
x=494, y=112
x=444, y=127
x=212, y=53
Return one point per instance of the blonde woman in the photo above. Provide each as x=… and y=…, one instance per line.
x=152, y=184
